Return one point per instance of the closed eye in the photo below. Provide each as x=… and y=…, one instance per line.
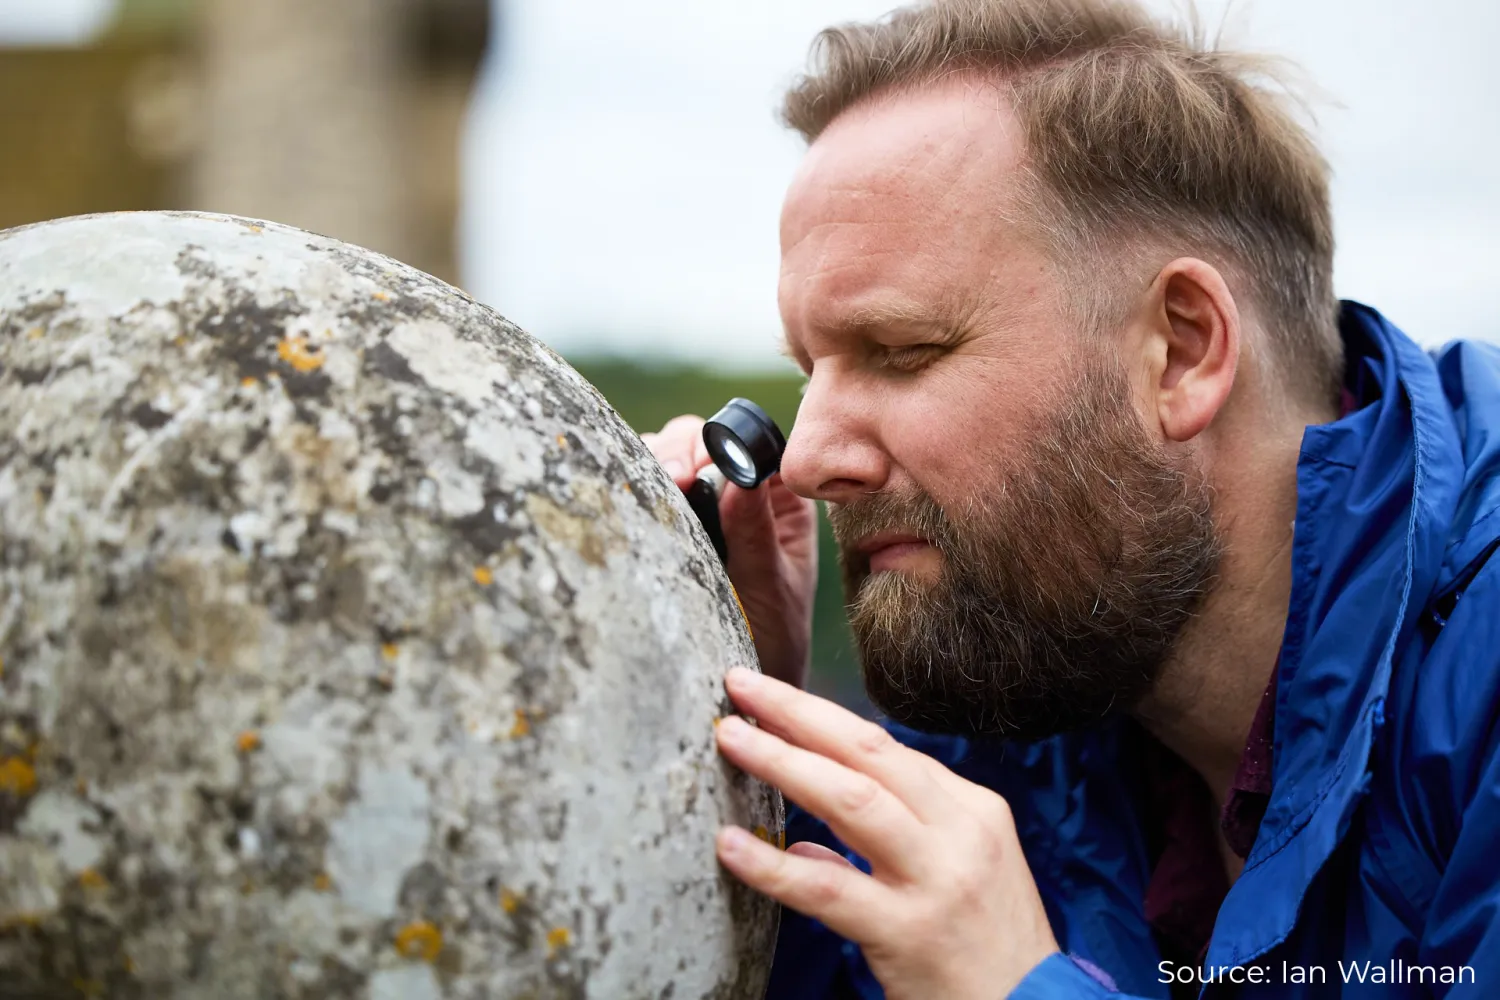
x=910, y=359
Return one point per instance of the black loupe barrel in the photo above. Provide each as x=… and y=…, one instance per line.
x=744, y=443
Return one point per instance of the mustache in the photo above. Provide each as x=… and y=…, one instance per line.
x=912, y=511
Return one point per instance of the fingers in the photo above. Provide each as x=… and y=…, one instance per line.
x=822, y=728
x=679, y=447
x=841, y=896
x=857, y=808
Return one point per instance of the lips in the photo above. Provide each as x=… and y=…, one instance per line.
x=890, y=550
x=885, y=539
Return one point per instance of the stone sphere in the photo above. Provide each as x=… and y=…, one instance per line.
x=352, y=645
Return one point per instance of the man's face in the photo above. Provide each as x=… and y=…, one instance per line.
x=1019, y=550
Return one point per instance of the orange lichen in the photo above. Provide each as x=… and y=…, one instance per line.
x=762, y=833
x=625, y=487
x=419, y=940
x=247, y=742
x=483, y=576
x=742, y=612
x=509, y=901
x=558, y=937
x=90, y=878
x=389, y=650
x=381, y=297
x=781, y=839
x=322, y=882
x=17, y=777
x=296, y=352
x=249, y=382
x=562, y=441
x=521, y=727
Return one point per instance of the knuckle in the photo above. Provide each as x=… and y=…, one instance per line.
x=823, y=889
x=859, y=794
x=873, y=740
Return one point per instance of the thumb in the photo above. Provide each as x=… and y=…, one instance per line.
x=817, y=852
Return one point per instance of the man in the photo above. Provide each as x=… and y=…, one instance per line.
x=1173, y=575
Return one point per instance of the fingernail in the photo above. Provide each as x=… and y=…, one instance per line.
x=731, y=728
x=674, y=468
x=733, y=840
x=744, y=678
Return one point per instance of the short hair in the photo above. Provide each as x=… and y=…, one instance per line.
x=1138, y=134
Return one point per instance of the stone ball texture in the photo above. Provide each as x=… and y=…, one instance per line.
x=350, y=644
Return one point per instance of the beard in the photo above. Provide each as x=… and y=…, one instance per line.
x=1064, y=584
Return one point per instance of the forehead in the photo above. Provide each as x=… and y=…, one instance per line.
x=902, y=204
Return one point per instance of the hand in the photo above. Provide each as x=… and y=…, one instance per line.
x=951, y=911
x=772, y=537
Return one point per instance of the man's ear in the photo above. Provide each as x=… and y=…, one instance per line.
x=1194, y=324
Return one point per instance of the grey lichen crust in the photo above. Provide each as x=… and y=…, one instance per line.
x=352, y=645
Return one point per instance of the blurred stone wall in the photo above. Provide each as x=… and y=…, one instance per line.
x=340, y=116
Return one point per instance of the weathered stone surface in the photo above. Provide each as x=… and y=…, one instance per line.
x=352, y=645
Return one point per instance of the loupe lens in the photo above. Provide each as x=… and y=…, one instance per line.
x=744, y=443
x=736, y=453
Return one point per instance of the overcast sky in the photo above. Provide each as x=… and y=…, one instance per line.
x=625, y=170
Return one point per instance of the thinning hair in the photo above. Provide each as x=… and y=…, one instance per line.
x=1142, y=141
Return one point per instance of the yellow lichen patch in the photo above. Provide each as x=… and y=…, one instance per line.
x=296, y=352
x=562, y=441
x=419, y=940
x=521, y=727
x=558, y=937
x=90, y=878
x=179, y=341
x=249, y=382
x=389, y=650
x=322, y=882
x=483, y=576
x=781, y=839
x=381, y=297
x=36, y=332
x=509, y=901
x=88, y=987
x=247, y=742
x=625, y=487
x=17, y=777
x=763, y=833
x=257, y=229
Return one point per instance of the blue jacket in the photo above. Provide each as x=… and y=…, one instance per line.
x=1381, y=842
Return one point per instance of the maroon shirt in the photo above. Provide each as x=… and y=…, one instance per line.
x=1188, y=882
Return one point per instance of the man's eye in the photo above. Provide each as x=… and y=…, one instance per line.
x=910, y=359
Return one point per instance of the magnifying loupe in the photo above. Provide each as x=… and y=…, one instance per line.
x=746, y=447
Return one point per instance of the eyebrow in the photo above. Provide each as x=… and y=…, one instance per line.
x=879, y=314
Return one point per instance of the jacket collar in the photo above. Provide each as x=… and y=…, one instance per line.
x=1376, y=493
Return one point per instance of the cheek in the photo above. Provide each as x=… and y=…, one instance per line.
x=950, y=433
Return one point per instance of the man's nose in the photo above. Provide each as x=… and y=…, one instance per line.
x=831, y=453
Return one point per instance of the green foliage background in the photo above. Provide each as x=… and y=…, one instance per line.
x=647, y=396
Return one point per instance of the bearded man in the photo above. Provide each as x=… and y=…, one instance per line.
x=1171, y=573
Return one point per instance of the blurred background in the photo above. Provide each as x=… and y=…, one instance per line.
x=608, y=175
